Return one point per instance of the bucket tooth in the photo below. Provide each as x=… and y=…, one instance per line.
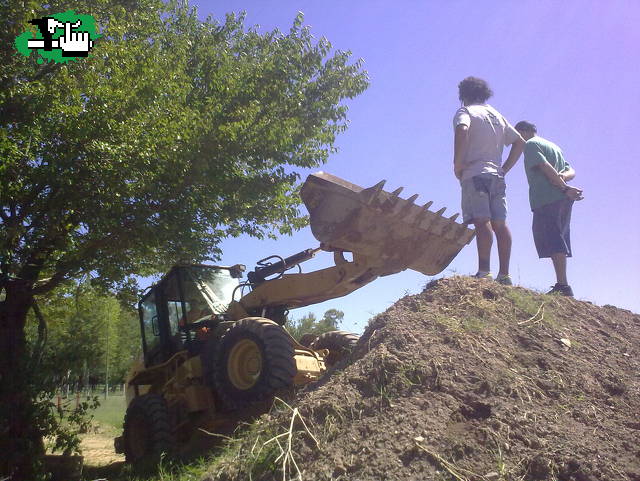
x=378, y=187
x=406, y=209
x=396, y=192
x=373, y=192
x=392, y=201
x=441, y=211
x=422, y=215
x=454, y=217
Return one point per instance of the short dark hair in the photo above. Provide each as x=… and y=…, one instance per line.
x=474, y=90
x=524, y=126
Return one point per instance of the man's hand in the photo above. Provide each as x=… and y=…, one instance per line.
x=457, y=170
x=558, y=179
x=573, y=193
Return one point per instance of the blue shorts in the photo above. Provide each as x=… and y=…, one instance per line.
x=484, y=197
x=551, y=232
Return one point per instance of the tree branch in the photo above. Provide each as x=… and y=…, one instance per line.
x=46, y=285
x=38, y=349
x=77, y=261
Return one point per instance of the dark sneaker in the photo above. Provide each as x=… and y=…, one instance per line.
x=504, y=280
x=561, y=289
x=483, y=275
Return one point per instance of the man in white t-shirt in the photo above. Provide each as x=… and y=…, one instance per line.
x=481, y=133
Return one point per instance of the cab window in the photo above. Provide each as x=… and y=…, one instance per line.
x=207, y=291
x=150, y=325
x=173, y=298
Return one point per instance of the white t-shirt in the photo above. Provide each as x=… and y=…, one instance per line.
x=489, y=132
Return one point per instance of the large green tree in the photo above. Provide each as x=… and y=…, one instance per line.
x=172, y=135
x=90, y=335
x=308, y=324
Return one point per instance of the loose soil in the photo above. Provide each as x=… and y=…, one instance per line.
x=468, y=380
x=97, y=447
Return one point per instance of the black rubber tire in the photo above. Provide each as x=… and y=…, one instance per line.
x=147, y=432
x=307, y=339
x=339, y=343
x=278, y=365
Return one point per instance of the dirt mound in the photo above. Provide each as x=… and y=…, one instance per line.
x=468, y=380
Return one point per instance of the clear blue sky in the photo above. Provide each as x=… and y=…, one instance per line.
x=570, y=67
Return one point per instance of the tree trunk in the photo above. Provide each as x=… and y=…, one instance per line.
x=20, y=437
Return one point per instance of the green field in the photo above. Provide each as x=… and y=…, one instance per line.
x=111, y=411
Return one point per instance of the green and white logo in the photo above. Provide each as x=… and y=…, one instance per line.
x=59, y=38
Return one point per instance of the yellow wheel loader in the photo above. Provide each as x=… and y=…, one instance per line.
x=215, y=347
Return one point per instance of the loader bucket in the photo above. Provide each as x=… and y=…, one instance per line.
x=379, y=225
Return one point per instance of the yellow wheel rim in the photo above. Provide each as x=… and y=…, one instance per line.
x=245, y=364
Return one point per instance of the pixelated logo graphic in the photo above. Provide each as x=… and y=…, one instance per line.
x=60, y=38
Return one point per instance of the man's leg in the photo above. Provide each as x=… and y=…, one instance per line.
x=563, y=248
x=551, y=236
x=484, y=240
x=503, y=239
x=560, y=265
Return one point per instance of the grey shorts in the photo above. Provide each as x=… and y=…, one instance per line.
x=551, y=232
x=484, y=197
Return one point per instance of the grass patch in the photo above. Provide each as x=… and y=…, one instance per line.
x=523, y=301
x=474, y=324
x=195, y=470
x=476, y=319
x=531, y=307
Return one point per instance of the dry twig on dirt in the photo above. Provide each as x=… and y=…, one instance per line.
x=533, y=319
x=453, y=470
x=286, y=453
x=215, y=434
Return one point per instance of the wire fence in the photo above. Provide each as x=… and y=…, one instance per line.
x=69, y=396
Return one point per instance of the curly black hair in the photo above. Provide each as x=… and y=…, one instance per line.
x=474, y=90
x=525, y=126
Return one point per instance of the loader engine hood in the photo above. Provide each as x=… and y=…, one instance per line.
x=381, y=226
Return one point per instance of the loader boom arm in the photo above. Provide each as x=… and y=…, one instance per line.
x=303, y=289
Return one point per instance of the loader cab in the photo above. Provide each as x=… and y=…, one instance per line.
x=187, y=301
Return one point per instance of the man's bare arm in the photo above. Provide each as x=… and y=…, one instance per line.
x=557, y=179
x=568, y=174
x=460, y=146
x=514, y=154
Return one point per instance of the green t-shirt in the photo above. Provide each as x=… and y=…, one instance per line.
x=541, y=191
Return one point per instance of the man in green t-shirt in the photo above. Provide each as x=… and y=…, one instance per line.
x=551, y=201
